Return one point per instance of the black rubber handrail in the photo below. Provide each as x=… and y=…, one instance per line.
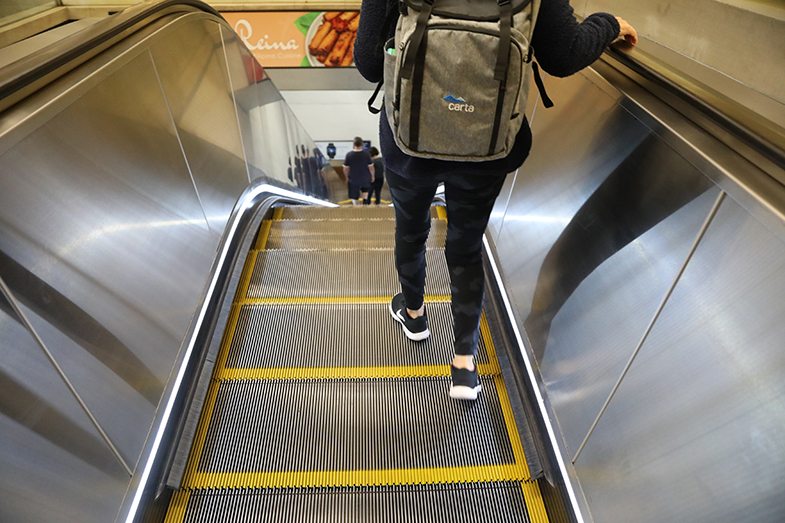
x=22, y=73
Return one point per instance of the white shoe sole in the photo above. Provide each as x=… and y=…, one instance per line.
x=462, y=392
x=414, y=336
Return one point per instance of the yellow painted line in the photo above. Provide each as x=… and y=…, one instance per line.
x=441, y=212
x=485, y=332
x=226, y=343
x=534, y=503
x=306, y=373
x=512, y=429
x=245, y=277
x=264, y=232
x=334, y=300
x=354, y=478
x=504, y=399
x=531, y=490
x=277, y=213
x=177, y=506
x=207, y=411
x=201, y=435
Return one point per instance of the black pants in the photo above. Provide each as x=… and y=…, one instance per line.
x=469, y=200
x=376, y=188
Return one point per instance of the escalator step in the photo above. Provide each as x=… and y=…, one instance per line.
x=343, y=234
x=351, y=212
x=356, y=432
x=302, y=336
x=449, y=503
x=338, y=273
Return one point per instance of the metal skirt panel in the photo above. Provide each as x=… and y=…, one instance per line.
x=279, y=274
x=353, y=424
x=448, y=503
x=338, y=335
x=343, y=234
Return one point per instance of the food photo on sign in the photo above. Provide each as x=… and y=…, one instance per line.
x=298, y=39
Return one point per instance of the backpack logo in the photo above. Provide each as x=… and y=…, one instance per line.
x=458, y=104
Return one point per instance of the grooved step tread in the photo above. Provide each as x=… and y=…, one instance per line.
x=338, y=273
x=358, y=212
x=449, y=503
x=297, y=337
x=382, y=427
x=343, y=234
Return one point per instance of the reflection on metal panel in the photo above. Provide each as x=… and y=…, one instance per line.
x=105, y=180
x=47, y=443
x=500, y=206
x=192, y=68
x=117, y=183
x=702, y=406
x=605, y=275
x=600, y=220
x=570, y=158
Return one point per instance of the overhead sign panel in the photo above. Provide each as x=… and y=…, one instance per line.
x=298, y=38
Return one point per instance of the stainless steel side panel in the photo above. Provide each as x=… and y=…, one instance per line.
x=695, y=432
x=572, y=154
x=191, y=65
x=116, y=184
x=48, y=443
x=103, y=180
x=742, y=39
x=599, y=223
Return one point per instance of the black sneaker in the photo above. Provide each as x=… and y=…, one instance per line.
x=415, y=328
x=465, y=383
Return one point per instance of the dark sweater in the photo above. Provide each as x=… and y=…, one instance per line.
x=562, y=47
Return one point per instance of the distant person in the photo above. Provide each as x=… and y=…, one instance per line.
x=331, y=150
x=378, y=182
x=305, y=163
x=317, y=181
x=358, y=168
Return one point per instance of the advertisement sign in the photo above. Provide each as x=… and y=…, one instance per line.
x=298, y=38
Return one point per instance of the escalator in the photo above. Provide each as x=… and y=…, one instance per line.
x=320, y=409
x=142, y=158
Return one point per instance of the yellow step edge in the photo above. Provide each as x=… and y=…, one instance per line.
x=306, y=373
x=532, y=496
x=485, y=332
x=512, y=428
x=441, y=212
x=333, y=300
x=201, y=435
x=226, y=343
x=264, y=232
x=177, y=506
x=209, y=404
x=245, y=277
x=277, y=213
x=355, y=478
